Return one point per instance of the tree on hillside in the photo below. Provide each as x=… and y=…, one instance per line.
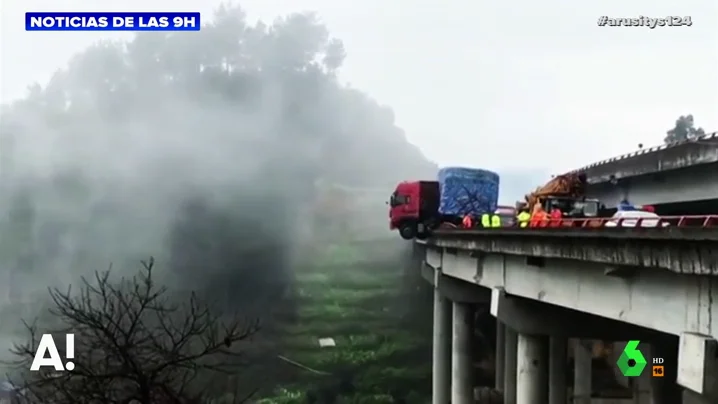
x=237, y=111
x=135, y=341
x=684, y=129
x=245, y=118
x=231, y=71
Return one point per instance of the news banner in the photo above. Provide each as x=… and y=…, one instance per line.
x=90, y=21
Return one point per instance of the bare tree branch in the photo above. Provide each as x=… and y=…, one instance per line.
x=135, y=343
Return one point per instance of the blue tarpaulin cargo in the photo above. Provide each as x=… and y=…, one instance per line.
x=467, y=191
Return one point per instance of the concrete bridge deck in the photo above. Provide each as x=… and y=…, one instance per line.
x=669, y=173
x=702, y=150
x=680, y=250
x=555, y=284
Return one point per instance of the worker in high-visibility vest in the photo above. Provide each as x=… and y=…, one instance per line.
x=556, y=215
x=495, y=221
x=467, y=222
x=485, y=220
x=523, y=218
x=539, y=217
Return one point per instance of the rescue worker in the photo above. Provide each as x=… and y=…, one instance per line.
x=556, y=215
x=539, y=217
x=467, y=222
x=495, y=221
x=485, y=220
x=523, y=218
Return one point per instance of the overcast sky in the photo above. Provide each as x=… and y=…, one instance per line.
x=521, y=84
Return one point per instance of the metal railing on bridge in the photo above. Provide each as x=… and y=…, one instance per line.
x=596, y=224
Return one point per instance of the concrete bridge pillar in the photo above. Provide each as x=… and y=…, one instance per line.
x=691, y=397
x=441, y=350
x=642, y=388
x=665, y=390
x=510, y=365
x=500, y=354
x=462, y=388
x=557, y=364
x=532, y=378
x=583, y=358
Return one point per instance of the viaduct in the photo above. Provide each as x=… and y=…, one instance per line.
x=555, y=292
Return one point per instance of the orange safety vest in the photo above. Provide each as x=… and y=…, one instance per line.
x=538, y=219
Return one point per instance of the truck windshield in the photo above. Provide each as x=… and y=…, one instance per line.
x=590, y=208
x=563, y=204
x=584, y=209
x=392, y=200
x=397, y=200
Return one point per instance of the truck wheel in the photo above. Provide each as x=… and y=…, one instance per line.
x=423, y=230
x=408, y=231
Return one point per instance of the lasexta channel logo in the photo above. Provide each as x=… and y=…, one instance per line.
x=631, y=362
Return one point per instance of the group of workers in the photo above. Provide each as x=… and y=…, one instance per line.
x=487, y=221
x=540, y=217
x=537, y=218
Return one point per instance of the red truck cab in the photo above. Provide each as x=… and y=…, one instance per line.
x=414, y=208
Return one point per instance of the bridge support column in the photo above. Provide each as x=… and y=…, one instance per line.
x=642, y=388
x=462, y=388
x=557, y=364
x=665, y=390
x=500, y=354
x=532, y=379
x=441, y=350
x=583, y=358
x=691, y=397
x=697, y=367
x=510, y=365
